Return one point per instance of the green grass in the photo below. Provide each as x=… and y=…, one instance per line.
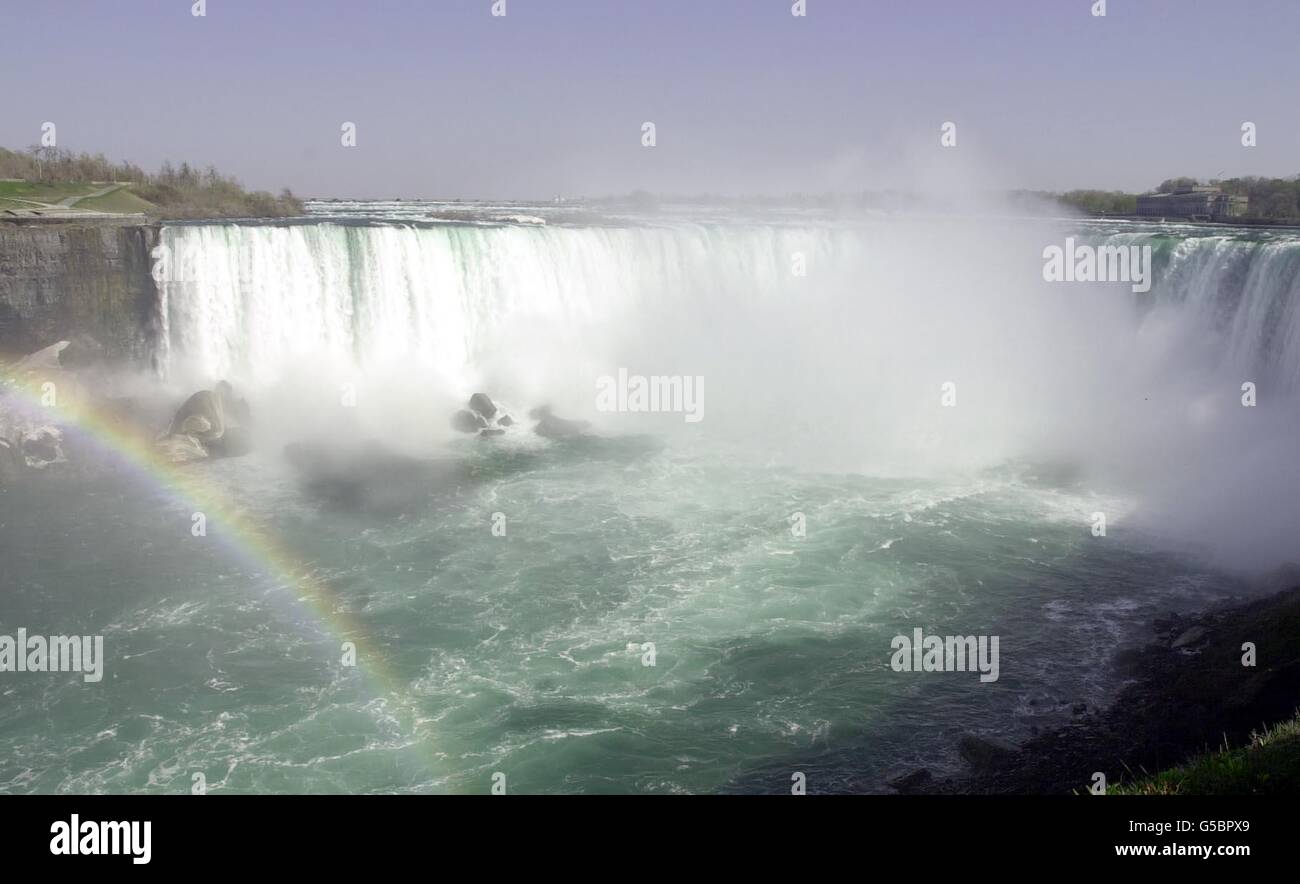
x=32, y=195
x=168, y=195
x=46, y=192
x=1269, y=765
x=118, y=201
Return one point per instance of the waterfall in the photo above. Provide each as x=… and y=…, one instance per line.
x=1246, y=294
x=244, y=299
x=824, y=345
x=1239, y=294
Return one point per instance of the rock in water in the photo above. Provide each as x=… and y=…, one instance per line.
x=1190, y=637
x=985, y=755
x=914, y=783
x=199, y=427
x=465, y=421
x=201, y=416
x=43, y=447
x=551, y=427
x=214, y=421
x=84, y=353
x=480, y=403
x=41, y=360
x=180, y=448
x=41, y=374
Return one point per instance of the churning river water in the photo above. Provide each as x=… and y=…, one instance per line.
x=660, y=606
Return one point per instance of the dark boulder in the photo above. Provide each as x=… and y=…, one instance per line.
x=202, y=416
x=1190, y=637
x=465, y=421
x=551, y=427
x=915, y=783
x=83, y=352
x=480, y=403
x=41, y=447
x=985, y=755
x=211, y=423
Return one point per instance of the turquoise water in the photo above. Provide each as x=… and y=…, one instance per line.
x=523, y=654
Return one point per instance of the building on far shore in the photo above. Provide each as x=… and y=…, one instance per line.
x=1196, y=201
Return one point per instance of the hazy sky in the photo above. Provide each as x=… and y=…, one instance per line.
x=450, y=101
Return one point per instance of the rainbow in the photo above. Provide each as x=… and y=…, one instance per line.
x=240, y=535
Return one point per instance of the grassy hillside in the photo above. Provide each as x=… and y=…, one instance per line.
x=46, y=192
x=215, y=197
x=59, y=182
x=124, y=200
x=1270, y=764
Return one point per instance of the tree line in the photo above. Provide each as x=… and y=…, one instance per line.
x=55, y=165
x=1276, y=199
x=178, y=191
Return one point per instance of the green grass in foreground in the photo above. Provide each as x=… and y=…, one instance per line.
x=1270, y=764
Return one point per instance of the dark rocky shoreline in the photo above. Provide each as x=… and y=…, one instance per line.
x=1189, y=692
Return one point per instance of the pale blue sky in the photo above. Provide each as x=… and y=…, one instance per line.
x=450, y=101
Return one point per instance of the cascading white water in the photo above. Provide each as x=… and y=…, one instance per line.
x=1245, y=295
x=523, y=655
x=824, y=345
x=244, y=300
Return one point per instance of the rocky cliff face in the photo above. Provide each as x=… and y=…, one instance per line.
x=84, y=281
